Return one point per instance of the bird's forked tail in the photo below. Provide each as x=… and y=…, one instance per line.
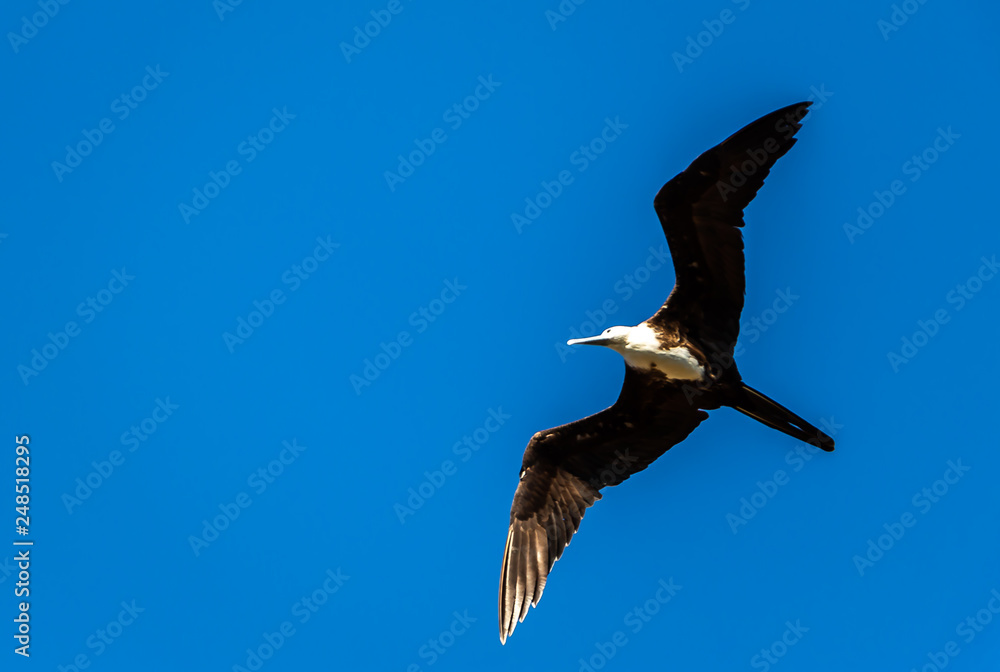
x=764, y=409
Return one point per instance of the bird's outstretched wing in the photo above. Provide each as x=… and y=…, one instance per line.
x=561, y=475
x=701, y=210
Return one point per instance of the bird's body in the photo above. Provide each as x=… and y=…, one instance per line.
x=678, y=363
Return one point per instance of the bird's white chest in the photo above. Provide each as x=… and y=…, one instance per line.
x=643, y=351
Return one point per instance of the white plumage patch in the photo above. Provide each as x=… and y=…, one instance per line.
x=642, y=351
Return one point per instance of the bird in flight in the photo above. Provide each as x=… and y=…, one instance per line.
x=678, y=363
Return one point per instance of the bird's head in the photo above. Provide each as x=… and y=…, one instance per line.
x=615, y=338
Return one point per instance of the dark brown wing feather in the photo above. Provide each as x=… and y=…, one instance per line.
x=701, y=210
x=563, y=470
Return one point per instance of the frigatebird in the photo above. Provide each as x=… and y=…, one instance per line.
x=678, y=363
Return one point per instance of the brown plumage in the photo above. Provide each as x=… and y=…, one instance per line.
x=564, y=468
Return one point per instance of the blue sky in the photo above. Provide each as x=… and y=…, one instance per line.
x=286, y=303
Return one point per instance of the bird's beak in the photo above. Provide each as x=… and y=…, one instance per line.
x=600, y=339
